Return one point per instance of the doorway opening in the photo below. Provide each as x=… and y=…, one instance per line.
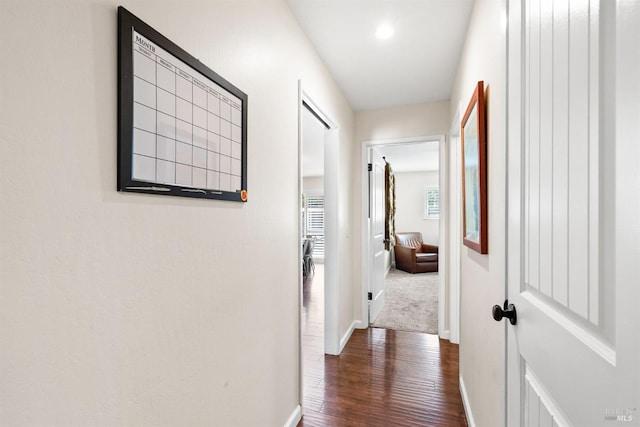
x=318, y=233
x=313, y=133
x=435, y=229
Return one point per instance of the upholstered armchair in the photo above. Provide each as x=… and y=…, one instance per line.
x=413, y=255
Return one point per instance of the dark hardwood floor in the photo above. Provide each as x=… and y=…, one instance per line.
x=382, y=377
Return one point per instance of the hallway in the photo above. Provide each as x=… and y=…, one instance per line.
x=382, y=377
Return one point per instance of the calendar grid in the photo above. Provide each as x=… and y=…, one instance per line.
x=186, y=128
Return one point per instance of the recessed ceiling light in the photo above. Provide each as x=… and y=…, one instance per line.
x=384, y=32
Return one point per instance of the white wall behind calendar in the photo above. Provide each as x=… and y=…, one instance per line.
x=137, y=309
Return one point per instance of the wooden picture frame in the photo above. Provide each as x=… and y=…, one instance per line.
x=474, y=173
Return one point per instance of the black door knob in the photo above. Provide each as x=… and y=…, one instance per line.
x=508, y=311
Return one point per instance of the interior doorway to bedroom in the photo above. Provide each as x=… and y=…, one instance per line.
x=418, y=165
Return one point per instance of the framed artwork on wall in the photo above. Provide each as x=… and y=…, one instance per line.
x=474, y=173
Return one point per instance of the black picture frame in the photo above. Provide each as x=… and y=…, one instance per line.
x=216, y=85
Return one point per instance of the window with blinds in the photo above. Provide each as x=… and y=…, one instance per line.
x=313, y=214
x=431, y=203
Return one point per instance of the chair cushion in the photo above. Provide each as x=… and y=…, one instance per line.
x=412, y=240
x=420, y=257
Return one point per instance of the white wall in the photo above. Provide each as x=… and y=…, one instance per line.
x=313, y=184
x=410, y=188
x=401, y=122
x=313, y=140
x=482, y=362
x=126, y=309
x=388, y=123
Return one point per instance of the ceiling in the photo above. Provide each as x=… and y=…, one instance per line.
x=417, y=64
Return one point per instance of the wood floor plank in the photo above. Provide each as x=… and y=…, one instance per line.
x=382, y=378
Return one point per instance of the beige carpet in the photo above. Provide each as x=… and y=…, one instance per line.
x=411, y=302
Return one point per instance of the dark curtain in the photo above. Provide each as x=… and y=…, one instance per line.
x=390, y=207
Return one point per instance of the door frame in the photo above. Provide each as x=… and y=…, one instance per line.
x=331, y=260
x=452, y=228
x=443, y=311
x=331, y=295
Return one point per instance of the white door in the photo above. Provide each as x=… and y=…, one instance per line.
x=376, y=221
x=573, y=213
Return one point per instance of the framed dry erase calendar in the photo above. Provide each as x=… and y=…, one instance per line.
x=182, y=128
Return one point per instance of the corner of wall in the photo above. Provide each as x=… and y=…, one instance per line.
x=465, y=403
x=294, y=418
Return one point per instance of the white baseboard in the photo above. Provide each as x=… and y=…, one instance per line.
x=294, y=418
x=346, y=336
x=465, y=403
x=445, y=335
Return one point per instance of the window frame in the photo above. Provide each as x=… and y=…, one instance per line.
x=318, y=252
x=428, y=214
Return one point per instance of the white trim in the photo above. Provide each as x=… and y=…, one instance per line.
x=331, y=261
x=331, y=238
x=452, y=215
x=401, y=141
x=365, y=248
x=366, y=244
x=595, y=343
x=559, y=417
x=359, y=324
x=294, y=418
x=443, y=245
x=317, y=110
x=356, y=324
x=331, y=301
x=300, y=256
x=465, y=403
x=514, y=369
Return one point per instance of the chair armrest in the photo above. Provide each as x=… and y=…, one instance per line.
x=405, y=251
x=429, y=249
x=405, y=258
x=405, y=255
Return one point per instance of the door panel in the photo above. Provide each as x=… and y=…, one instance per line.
x=377, y=200
x=541, y=410
x=567, y=363
x=561, y=228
